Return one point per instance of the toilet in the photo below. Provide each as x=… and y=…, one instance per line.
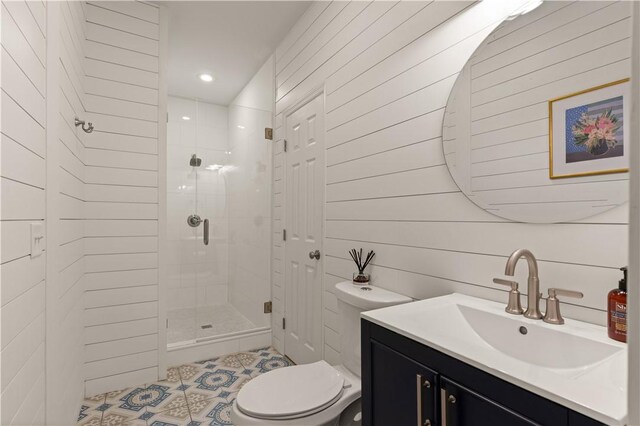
x=318, y=393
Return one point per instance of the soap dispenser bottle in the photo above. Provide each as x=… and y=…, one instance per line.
x=617, y=310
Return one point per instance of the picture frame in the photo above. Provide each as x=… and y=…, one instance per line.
x=589, y=131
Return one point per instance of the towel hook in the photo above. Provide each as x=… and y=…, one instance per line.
x=82, y=123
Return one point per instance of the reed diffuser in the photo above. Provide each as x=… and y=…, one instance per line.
x=360, y=277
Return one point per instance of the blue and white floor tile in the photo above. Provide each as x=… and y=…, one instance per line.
x=260, y=361
x=196, y=394
x=214, y=412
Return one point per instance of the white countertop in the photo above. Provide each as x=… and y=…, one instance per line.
x=596, y=389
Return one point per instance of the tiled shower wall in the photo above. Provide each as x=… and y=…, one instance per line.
x=197, y=274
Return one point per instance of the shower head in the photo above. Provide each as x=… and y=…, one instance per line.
x=195, y=161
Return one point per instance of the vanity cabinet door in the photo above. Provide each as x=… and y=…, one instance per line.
x=463, y=407
x=403, y=391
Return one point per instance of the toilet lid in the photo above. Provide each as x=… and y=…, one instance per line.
x=291, y=392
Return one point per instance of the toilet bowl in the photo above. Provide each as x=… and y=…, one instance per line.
x=316, y=394
x=309, y=394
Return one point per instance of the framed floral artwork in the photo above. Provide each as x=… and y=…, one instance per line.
x=589, y=131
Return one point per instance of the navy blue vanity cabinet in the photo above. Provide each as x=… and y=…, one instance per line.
x=462, y=406
x=407, y=383
x=398, y=378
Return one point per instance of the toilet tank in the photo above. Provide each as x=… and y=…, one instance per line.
x=353, y=299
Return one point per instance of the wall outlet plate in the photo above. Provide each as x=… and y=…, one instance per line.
x=37, y=239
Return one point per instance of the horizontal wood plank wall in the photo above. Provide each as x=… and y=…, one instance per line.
x=388, y=69
x=22, y=184
x=121, y=195
x=65, y=213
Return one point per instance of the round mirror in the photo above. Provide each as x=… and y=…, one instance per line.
x=536, y=126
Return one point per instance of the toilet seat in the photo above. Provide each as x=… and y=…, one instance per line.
x=291, y=392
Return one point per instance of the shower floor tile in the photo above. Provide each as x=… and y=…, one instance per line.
x=199, y=393
x=186, y=324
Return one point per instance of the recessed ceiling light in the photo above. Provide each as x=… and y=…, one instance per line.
x=208, y=78
x=185, y=118
x=240, y=126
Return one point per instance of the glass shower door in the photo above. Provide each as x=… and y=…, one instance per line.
x=211, y=203
x=249, y=181
x=218, y=219
x=182, y=223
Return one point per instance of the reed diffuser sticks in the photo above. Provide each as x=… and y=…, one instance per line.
x=361, y=277
x=357, y=258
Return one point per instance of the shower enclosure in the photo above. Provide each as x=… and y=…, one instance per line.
x=218, y=222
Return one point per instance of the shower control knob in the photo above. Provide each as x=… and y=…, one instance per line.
x=194, y=220
x=314, y=255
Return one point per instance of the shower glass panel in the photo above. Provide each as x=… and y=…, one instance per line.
x=218, y=177
x=249, y=205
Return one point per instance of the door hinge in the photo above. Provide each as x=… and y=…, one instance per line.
x=284, y=323
x=284, y=235
x=167, y=322
x=268, y=133
x=268, y=306
x=167, y=117
x=284, y=145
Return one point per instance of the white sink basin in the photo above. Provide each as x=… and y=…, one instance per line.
x=541, y=345
x=574, y=364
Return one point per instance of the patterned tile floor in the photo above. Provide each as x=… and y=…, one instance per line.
x=194, y=394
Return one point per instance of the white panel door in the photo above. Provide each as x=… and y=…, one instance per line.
x=304, y=162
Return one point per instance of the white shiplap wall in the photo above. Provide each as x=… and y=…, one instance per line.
x=388, y=69
x=22, y=185
x=121, y=195
x=98, y=193
x=65, y=211
x=42, y=90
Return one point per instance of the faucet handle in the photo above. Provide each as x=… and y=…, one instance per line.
x=513, y=284
x=513, y=307
x=553, y=292
x=552, y=315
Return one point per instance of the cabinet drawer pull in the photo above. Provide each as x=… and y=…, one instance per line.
x=419, y=398
x=443, y=406
x=420, y=383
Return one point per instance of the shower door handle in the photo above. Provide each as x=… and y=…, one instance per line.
x=206, y=232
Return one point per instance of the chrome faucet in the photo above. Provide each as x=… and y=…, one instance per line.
x=533, y=287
